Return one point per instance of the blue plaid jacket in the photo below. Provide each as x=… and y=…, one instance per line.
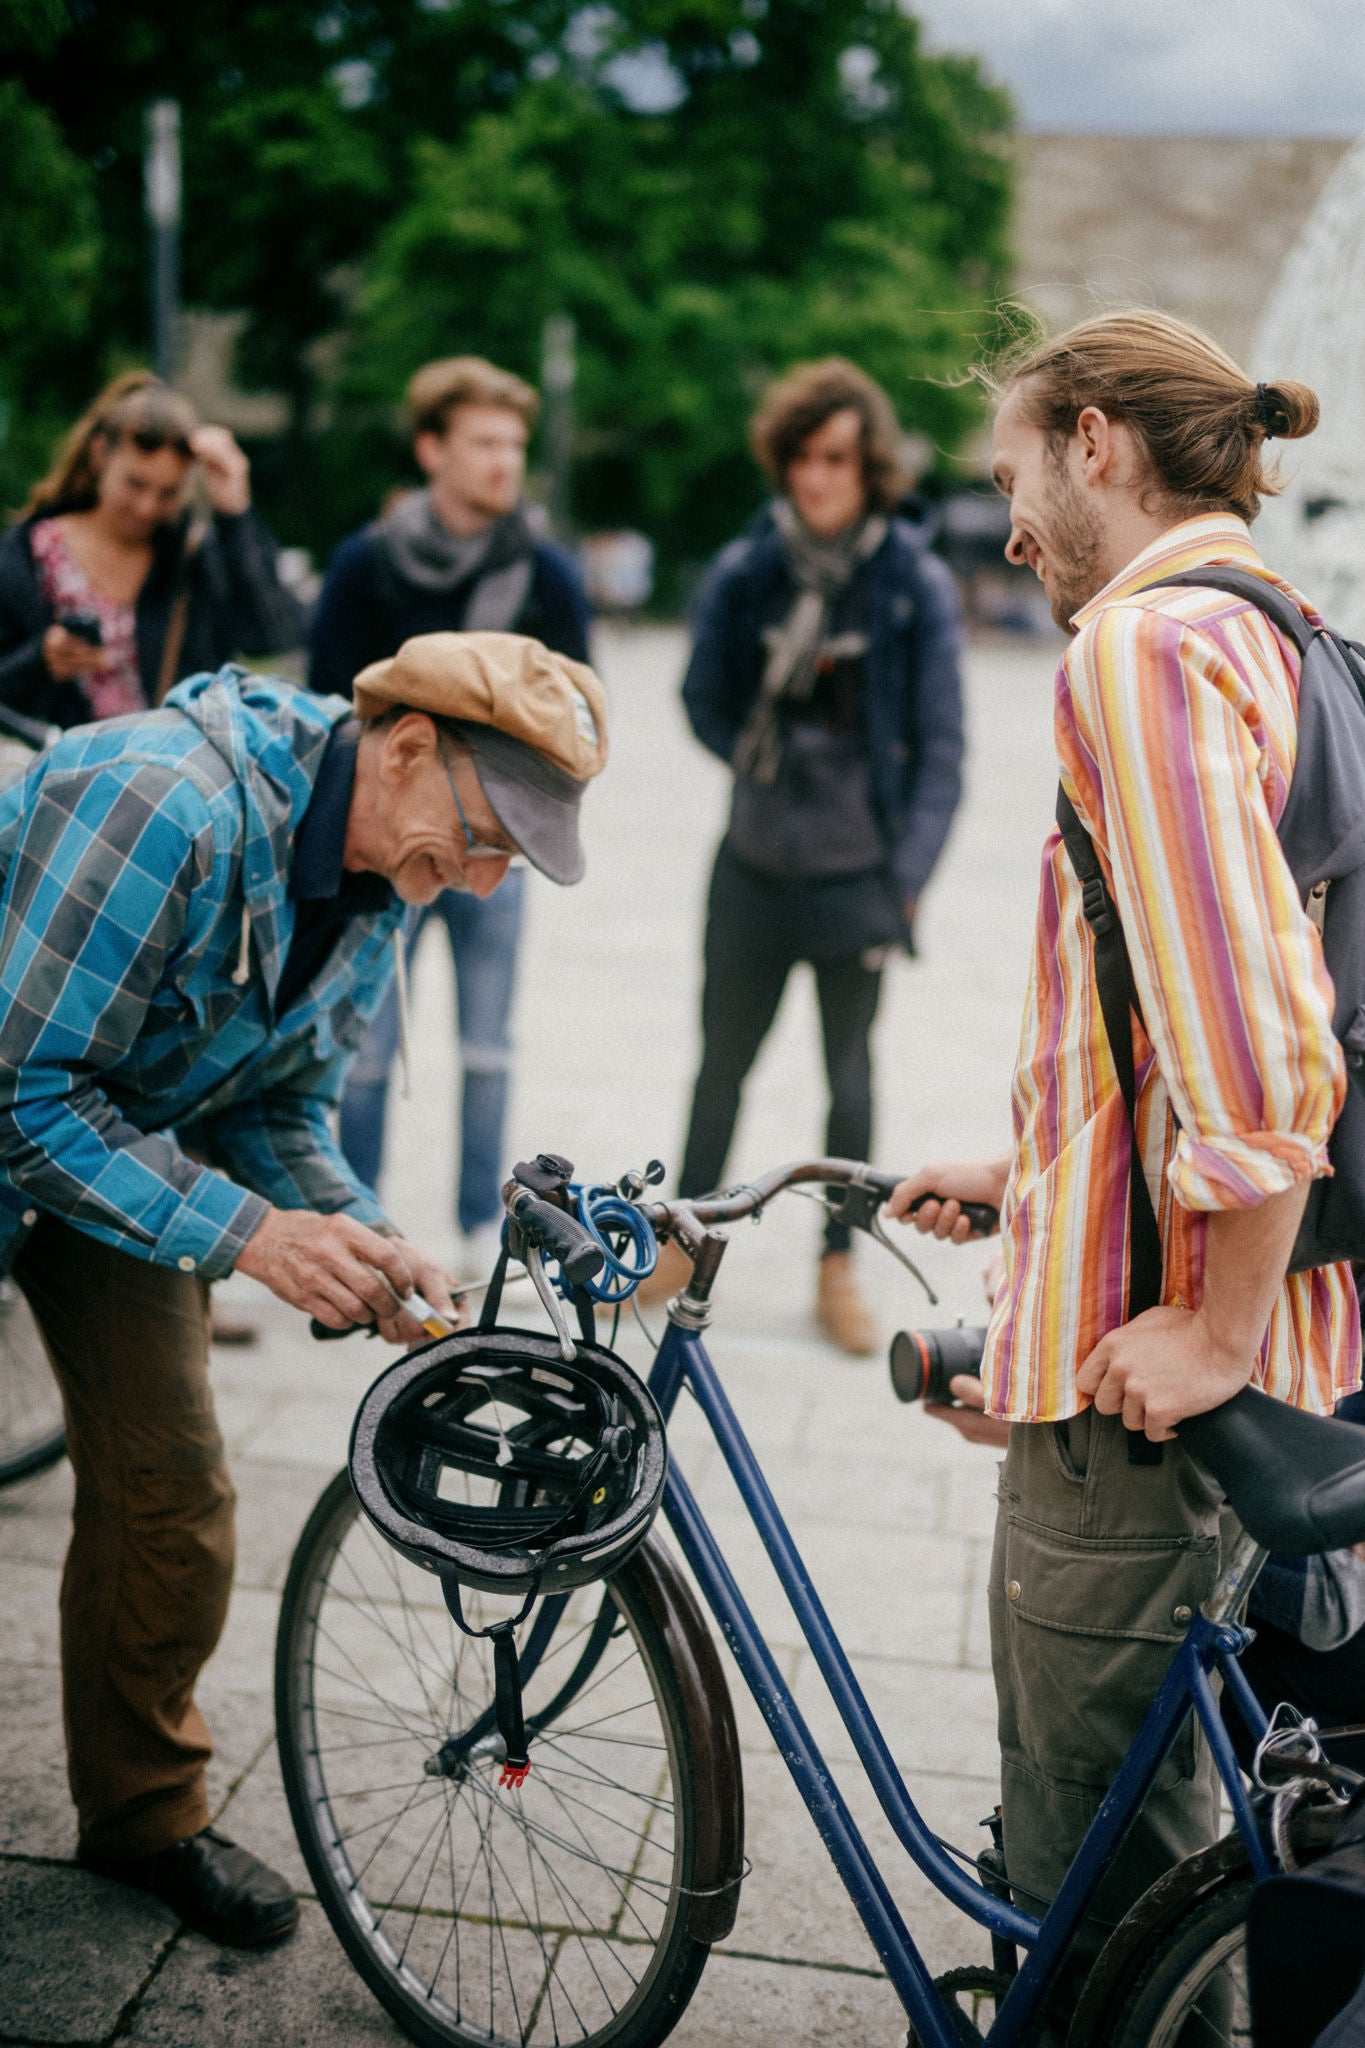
x=136, y=858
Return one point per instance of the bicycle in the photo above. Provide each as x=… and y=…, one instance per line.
x=32, y=1430
x=582, y=1906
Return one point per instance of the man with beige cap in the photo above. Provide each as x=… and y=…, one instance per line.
x=197, y=913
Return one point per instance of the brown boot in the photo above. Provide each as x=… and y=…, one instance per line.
x=840, y=1309
x=673, y=1272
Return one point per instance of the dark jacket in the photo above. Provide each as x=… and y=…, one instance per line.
x=363, y=616
x=906, y=603
x=237, y=606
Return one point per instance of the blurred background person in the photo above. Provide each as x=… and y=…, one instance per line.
x=110, y=590
x=825, y=672
x=459, y=555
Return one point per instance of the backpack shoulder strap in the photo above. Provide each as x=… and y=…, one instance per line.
x=1118, y=1000
x=1280, y=609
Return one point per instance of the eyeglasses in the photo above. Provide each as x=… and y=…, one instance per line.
x=475, y=849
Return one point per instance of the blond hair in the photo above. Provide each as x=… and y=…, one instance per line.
x=136, y=407
x=438, y=389
x=1201, y=420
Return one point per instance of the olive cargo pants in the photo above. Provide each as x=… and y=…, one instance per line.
x=1098, y=1567
x=145, y=1588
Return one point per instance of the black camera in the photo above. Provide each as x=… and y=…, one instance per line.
x=82, y=626
x=924, y=1361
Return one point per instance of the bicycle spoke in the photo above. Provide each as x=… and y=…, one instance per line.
x=533, y=1915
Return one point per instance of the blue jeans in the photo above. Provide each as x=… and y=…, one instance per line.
x=483, y=942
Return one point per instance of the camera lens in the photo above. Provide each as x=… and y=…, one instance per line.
x=924, y=1361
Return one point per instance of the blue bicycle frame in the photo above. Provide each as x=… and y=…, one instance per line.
x=1211, y=1644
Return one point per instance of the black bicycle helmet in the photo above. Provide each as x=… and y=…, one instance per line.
x=488, y=1457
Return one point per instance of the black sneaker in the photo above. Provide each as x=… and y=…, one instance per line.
x=216, y=1888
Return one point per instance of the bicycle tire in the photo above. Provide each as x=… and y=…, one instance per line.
x=32, y=1431
x=557, y=1913
x=1190, y=1987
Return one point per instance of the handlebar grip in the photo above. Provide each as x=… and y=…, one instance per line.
x=983, y=1216
x=562, y=1236
x=324, y=1331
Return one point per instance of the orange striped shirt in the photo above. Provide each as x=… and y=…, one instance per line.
x=1176, y=731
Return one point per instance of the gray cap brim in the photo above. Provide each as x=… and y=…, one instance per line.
x=536, y=803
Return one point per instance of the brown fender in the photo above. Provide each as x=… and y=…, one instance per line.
x=718, y=1868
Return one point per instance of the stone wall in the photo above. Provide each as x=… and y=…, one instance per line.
x=1197, y=226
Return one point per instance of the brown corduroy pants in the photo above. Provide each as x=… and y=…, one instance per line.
x=145, y=1589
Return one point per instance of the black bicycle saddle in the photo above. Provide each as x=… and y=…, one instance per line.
x=1296, y=1482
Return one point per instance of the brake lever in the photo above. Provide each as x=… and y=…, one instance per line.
x=860, y=1207
x=876, y=1231
x=554, y=1307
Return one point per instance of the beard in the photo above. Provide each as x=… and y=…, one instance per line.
x=1078, y=552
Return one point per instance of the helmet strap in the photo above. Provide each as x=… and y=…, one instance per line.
x=492, y=1298
x=587, y=1317
x=516, y=1761
x=507, y=1706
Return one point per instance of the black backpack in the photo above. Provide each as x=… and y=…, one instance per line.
x=1322, y=834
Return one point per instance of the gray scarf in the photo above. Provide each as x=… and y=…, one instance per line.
x=821, y=569
x=499, y=562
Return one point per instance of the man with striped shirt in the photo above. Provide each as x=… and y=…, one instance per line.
x=1130, y=449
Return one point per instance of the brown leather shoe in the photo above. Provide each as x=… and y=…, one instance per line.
x=840, y=1310
x=673, y=1272
x=216, y=1888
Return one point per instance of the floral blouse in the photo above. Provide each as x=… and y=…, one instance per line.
x=115, y=685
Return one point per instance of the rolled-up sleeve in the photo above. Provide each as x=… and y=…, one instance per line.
x=1235, y=998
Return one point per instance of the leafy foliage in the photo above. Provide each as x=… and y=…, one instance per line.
x=713, y=189
x=48, y=260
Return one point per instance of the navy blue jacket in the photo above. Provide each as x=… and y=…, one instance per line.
x=357, y=622
x=906, y=602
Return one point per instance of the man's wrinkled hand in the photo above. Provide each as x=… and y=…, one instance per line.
x=970, y=1420
x=1164, y=1365
x=433, y=1283
x=338, y=1270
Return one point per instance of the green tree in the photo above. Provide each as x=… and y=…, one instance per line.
x=818, y=184
x=49, y=254
x=713, y=188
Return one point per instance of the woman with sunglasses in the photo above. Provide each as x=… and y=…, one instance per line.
x=110, y=592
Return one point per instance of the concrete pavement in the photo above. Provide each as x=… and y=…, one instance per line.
x=893, y=1512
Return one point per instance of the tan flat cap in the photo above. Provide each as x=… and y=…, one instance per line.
x=503, y=680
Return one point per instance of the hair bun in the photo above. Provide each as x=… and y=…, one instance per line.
x=1286, y=411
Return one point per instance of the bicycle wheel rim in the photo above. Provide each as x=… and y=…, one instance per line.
x=551, y=1915
x=32, y=1431
x=1207, y=2006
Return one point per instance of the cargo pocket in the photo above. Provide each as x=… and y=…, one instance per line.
x=1091, y=1626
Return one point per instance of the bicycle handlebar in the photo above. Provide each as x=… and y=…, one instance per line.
x=686, y=1220
x=554, y=1231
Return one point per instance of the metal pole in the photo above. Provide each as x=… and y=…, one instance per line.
x=557, y=382
x=161, y=185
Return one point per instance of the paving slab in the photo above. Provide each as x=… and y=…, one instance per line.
x=304, y=1994
x=36, y=1817
x=744, y=2003
x=77, y=1952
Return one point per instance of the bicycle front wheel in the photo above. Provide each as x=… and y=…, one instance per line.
x=1192, y=1989
x=32, y=1433
x=554, y=1914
